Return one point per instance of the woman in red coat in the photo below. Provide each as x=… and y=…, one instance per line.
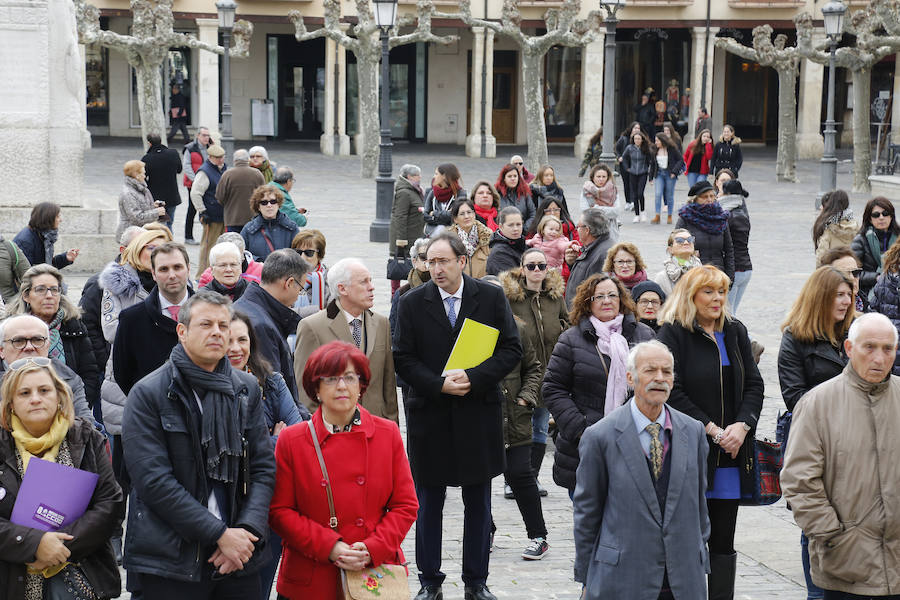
x=374, y=496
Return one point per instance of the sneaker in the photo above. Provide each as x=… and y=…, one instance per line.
x=629, y=207
x=636, y=219
x=191, y=242
x=644, y=217
x=536, y=549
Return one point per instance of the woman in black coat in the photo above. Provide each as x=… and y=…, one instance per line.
x=36, y=241
x=446, y=188
x=727, y=152
x=704, y=218
x=717, y=383
x=878, y=232
x=507, y=243
x=584, y=380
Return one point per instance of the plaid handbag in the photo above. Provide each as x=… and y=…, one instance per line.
x=764, y=467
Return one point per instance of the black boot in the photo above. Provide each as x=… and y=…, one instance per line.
x=723, y=568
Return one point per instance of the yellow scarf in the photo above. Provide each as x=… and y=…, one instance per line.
x=45, y=447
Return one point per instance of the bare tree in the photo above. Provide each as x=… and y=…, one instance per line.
x=366, y=46
x=563, y=29
x=152, y=35
x=876, y=28
x=786, y=63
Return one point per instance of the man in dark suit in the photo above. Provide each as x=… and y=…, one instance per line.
x=455, y=429
x=641, y=524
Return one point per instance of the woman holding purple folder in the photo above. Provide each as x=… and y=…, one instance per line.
x=37, y=421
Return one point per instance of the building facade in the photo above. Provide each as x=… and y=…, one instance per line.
x=294, y=90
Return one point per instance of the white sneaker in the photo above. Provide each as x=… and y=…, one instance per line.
x=636, y=219
x=629, y=207
x=643, y=217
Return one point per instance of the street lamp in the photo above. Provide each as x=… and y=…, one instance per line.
x=607, y=156
x=833, y=12
x=385, y=18
x=226, y=10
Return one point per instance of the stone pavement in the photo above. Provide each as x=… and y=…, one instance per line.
x=341, y=205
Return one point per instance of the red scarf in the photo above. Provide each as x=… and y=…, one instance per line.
x=488, y=215
x=442, y=195
x=635, y=279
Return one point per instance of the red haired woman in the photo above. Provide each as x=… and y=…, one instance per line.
x=515, y=192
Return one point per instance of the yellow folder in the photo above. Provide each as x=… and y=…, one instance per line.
x=474, y=345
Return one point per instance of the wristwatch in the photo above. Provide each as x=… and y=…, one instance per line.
x=746, y=427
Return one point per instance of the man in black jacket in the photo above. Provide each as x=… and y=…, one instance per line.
x=269, y=304
x=198, y=452
x=455, y=426
x=163, y=164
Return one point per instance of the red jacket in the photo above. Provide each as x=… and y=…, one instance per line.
x=374, y=498
x=704, y=162
x=196, y=163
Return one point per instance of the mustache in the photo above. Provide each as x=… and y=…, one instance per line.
x=658, y=387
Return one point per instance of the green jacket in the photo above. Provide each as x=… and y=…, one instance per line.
x=524, y=382
x=13, y=264
x=288, y=207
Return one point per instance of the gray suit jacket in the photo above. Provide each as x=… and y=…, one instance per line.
x=623, y=542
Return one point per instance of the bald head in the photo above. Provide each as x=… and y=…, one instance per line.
x=872, y=347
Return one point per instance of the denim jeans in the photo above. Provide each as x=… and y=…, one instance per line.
x=540, y=424
x=813, y=592
x=665, y=190
x=736, y=293
x=694, y=178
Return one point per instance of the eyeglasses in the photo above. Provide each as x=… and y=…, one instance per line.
x=348, y=379
x=41, y=290
x=267, y=202
x=602, y=297
x=438, y=262
x=552, y=211
x=310, y=252
x=621, y=262
x=19, y=343
x=581, y=226
x=227, y=266
x=656, y=303
x=684, y=241
x=40, y=361
x=538, y=266
x=879, y=214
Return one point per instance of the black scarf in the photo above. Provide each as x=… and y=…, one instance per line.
x=147, y=281
x=234, y=292
x=706, y=217
x=220, y=435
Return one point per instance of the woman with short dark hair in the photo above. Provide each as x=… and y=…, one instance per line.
x=270, y=229
x=475, y=235
x=310, y=244
x=36, y=241
x=877, y=233
x=507, y=243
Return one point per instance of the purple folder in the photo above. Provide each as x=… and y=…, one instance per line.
x=52, y=495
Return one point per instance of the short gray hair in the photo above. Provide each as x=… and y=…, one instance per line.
x=5, y=324
x=408, y=170
x=639, y=349
x=340, y=273
x=282, y=264
x=206, y=296
x=129, y=234
x=223, y=248
x=241, y=154
x=282, y=175
x=596, y=222
x=859, y=322
x=418, y=247
x=235, y=238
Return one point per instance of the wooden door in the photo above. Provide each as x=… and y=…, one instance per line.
x=504, y=106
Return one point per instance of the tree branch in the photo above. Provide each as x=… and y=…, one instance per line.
x=424, y=13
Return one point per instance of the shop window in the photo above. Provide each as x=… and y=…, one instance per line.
x=562, y=92
x=96, y=68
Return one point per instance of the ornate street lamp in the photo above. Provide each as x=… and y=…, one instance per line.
x=385, y=18
x=833, y=12
x=226, y=10
x=608, y=157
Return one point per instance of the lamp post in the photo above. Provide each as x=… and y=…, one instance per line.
x=833, y=12
x=385, y=17
x=607, y=156
x=226, y=10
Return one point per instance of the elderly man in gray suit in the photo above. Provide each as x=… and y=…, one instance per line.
x=641, y=524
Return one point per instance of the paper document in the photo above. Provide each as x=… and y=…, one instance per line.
x=474, y=345
x=52, y=495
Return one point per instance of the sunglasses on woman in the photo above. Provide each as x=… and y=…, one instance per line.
x=538, y=266
x=309, y=252
x=878, y=215
x=267, y=202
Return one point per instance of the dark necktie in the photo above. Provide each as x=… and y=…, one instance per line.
x=356, y=326
x=656, y=449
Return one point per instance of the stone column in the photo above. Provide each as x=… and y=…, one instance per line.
x=489, y=95
x=810, y=143
x=208, y=77
x=482, y=52
x=698, y=35
x=895, y=109
x=329, y=143
x=592, y=76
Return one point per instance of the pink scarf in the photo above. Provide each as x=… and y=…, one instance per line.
x=611, y=343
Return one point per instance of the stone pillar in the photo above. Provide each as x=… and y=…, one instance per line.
x=335, y=82
x=810, y=143
x=481, y=57
x=208, y=77
x=592, y=76
x=895, y=109
x=698, y=35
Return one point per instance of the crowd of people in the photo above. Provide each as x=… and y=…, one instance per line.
x=248, y=418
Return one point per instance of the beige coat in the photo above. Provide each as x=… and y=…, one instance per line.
x=329, y=325
x=477, y=265
x=842, y=480
x=835, y=234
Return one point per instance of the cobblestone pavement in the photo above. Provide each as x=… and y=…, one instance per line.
x=341, y=205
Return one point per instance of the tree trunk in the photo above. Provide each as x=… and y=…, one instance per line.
x=862, y=139
x=367, y=147
x=786, y=162
x=149, y=86
x=534, y=110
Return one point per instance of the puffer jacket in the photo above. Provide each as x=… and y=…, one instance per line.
x=136, y=206
x=505, y=253
x=524, y=203
x=840, y=475
x=804, y=365
x=714, y=249
x=840, y=233
x=523, y=383
x=727, y=155
x=739, y=227
x=476, y=266
x=574, y=388
x=80, y=357
x=122, y=288
x=280, y=231
x=885, y=299
x=869, y=248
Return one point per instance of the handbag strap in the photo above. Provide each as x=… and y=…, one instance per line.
x=268, y=241
x=332, y=522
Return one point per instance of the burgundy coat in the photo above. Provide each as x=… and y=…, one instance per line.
x=374, y=498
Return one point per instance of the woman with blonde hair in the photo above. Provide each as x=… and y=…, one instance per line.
x=136, y=203
x=717, y=383
x=624, y=260
x=812, y=352
x=37, y=421
x=310, y=244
